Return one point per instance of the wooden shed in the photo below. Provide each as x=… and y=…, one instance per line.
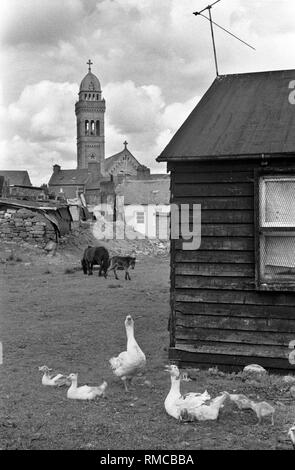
x=233, y=299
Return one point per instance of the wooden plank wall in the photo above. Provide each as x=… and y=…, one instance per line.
x=217, y=316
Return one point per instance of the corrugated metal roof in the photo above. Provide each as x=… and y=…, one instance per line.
x=44, y=205
x=145, y=191
x=241, y=114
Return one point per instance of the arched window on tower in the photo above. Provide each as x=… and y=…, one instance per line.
x=97, y=128
x=97, y=96
x=92, y=128
x=86, y=127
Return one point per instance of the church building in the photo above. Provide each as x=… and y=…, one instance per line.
x=95, y=174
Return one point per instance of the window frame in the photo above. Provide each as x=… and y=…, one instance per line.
x=270, y=228
x=143, y=215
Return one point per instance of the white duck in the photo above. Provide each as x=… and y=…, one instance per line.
x=54, y=381
x=175, y=402
x=191, y=406
x=131, y=361
x=84, y=392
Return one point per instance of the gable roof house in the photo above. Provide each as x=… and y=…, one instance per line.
x=69, y=183
x=16, y=177
x=233, y=291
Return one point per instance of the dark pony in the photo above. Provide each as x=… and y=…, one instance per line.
x=95, y=255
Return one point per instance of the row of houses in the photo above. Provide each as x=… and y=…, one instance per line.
x=144, y=203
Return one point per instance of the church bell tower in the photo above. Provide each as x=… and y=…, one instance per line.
x=90, y=110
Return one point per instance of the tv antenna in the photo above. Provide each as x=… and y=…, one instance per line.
x=200, y=13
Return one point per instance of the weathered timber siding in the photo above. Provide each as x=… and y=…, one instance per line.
x=217, y=315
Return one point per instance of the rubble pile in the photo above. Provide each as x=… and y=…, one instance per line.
x=116, y=237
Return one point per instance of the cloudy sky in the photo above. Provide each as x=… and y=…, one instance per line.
x=153, y=58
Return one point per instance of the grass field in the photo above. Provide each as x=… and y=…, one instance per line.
x=52, y=314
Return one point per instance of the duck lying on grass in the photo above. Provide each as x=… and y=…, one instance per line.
x=54, y=381
x=131, y=361
x=84, y=392
x=191, y=406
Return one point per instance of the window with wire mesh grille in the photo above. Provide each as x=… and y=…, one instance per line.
x=277, y=230
x=140, y=217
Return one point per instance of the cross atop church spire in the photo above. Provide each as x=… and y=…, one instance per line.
x=125, y=144
x=89, y=65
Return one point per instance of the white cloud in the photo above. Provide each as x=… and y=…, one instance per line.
x=133, y=109
x=22, y=154
x=46, y=130
x=40, y=129
x=35, y=21
x=45, y=110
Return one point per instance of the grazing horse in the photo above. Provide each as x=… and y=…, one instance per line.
x=122, y=262
x=95, y=255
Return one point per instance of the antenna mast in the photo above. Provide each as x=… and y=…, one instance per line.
x=209, y=7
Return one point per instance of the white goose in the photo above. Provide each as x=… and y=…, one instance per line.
x=191, y=406
x=84, y=392
x=131, y=361
x=53, y=381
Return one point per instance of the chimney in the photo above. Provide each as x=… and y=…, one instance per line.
x=56, y=168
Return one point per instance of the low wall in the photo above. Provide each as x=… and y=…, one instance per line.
x=23, y=224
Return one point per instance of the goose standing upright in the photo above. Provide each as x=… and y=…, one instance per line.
x=131, y=361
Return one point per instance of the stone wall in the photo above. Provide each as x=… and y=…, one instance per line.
x=23, y=224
